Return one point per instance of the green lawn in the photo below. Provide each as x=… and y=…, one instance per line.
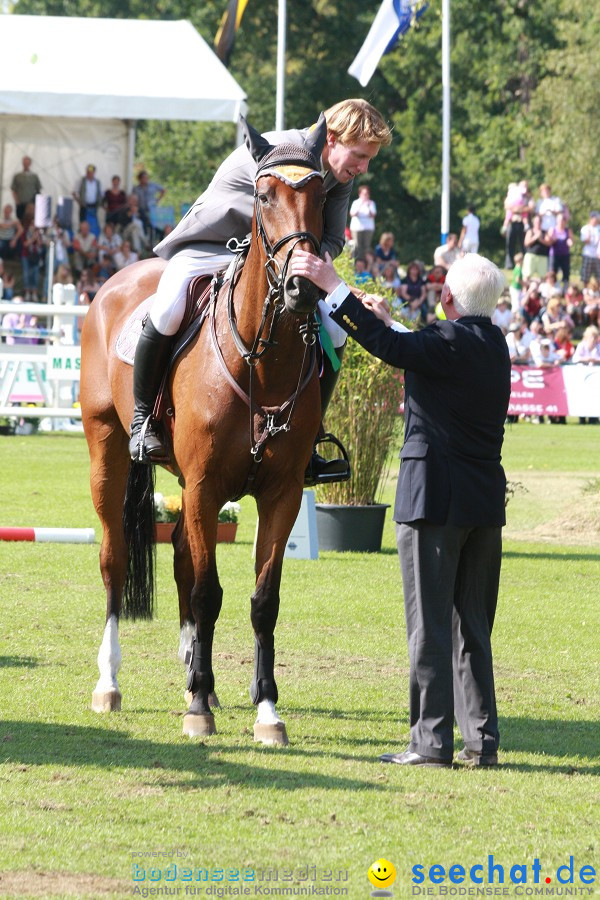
x=80, y=794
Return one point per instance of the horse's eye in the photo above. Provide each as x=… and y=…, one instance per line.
x=263, y=199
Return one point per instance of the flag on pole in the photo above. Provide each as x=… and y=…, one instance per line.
x=393, y=19
x=225, y=36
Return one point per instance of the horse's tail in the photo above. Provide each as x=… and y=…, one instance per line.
x=138, y=525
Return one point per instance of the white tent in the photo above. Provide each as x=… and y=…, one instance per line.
x=72, y=88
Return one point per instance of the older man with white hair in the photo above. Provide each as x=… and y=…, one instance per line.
x=449, y=505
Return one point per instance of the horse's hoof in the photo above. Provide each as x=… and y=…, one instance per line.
x=272, y=734
x=199, y=724
x=213, y=700
x=106, y=701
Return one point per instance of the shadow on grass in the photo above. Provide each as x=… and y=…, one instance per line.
x=18, y=662
x=554, y=737
x=205, y=763
x=571, y=556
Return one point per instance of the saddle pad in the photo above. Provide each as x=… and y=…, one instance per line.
x=130, y=333
x=198, y=295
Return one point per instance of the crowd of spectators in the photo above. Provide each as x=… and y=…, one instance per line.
x=549, y=317
x=114, y=229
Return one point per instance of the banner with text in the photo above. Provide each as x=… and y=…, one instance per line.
x=558, y=391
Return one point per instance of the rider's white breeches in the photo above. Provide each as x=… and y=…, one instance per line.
x=168, y=307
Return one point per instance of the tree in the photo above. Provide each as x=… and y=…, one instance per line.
x=564, y=111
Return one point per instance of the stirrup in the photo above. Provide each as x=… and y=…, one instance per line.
x=138, y=452
x=343, y=473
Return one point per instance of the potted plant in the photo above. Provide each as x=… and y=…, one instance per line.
x=227, y=523
x=364, y=413
x=166, y=514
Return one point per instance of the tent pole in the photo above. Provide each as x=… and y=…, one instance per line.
x=130, y=155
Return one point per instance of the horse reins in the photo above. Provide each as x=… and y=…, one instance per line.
x=276, y=277
x=274, y=303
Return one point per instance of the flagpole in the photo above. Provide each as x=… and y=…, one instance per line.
x=445, y=210
x=280, y=98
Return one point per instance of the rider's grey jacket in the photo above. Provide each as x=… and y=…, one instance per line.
x=225, y=208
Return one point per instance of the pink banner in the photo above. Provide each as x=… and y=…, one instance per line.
x=538, y=392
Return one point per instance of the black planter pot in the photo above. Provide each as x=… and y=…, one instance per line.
x=354, y=528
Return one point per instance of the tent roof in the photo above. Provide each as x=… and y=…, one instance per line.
x=113, y=68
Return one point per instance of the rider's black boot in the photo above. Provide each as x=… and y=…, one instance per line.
x=321, y=470
x=151, y=358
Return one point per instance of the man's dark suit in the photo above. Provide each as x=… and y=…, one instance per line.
x=450, y=509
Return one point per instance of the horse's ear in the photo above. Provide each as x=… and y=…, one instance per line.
x=255, y=142
x=317, y=137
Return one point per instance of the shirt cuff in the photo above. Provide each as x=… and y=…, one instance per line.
x=337, y=296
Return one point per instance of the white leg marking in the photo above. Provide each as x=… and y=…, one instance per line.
x=109, y=657
x=185, y=640
x=267, y=714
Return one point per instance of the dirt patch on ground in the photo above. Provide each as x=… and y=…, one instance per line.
x=581, y=526
x=553, y=507
x=32, y=883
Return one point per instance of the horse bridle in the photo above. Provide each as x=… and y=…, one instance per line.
x=276, y=278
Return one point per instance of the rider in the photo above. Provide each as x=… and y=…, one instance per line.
x=197, y=246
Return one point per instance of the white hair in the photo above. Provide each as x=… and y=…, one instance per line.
x=475, y=284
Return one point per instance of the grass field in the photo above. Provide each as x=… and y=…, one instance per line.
x=81, y=794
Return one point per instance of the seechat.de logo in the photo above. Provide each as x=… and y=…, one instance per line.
x=494, y=873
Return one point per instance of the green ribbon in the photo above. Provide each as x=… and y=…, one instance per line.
x=327, y=345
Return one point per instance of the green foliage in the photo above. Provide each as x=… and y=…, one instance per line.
x=564, y=110
x=363, y=413
x=183, y=156
x=112, y=9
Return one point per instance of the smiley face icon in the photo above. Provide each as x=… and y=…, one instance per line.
x=382, y=873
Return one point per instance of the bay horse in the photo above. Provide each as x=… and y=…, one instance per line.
x=245, y=409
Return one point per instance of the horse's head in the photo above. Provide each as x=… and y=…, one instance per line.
x=289, y=197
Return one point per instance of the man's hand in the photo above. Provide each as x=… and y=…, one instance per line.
x=378, y=306
x=319, y=271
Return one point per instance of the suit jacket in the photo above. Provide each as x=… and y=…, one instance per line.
x=457, y=386
x=226, y=207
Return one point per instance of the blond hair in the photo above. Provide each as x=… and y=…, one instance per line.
x=352, y=121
